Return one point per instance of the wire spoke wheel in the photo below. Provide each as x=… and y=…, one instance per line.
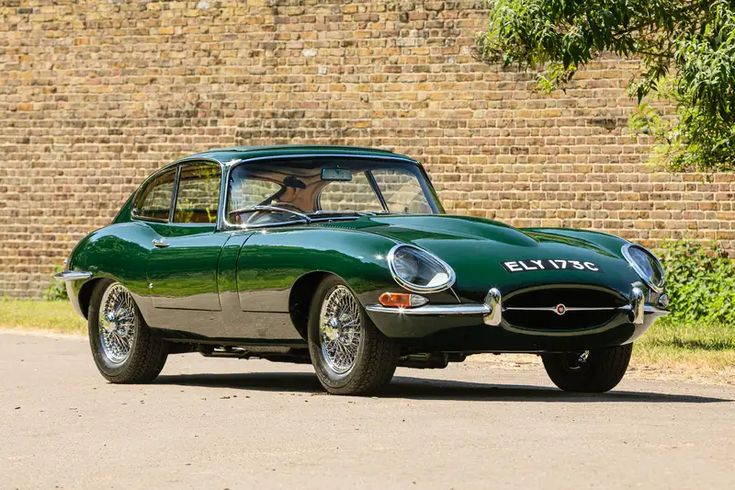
x=340, y=329
x=350, y=355
x=118, y=323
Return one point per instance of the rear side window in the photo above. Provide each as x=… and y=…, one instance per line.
x=197, y=199
x=154, y=202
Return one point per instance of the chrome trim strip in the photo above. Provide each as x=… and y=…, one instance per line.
x=478, y=309
x=625, y=251
x=567, y=308
x=462, y=309
x=491, y=310
x=416, y=288
x=72, y=275
x=324, y=155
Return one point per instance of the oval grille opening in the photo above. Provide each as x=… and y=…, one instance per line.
x=553, y=317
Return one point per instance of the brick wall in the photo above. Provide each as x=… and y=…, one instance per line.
x=95, y=95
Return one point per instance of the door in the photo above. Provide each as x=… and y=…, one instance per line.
x=182, y=268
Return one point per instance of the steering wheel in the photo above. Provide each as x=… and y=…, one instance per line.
x=257, y=211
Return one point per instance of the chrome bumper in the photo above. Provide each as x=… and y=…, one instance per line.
x=72, y=276
x=492, y=309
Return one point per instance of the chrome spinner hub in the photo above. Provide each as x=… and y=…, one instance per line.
x=118, y=323
x=340, y=329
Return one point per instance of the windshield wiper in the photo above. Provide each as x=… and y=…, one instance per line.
x=275, y=209
x=321, y=213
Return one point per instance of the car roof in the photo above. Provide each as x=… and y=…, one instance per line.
x=240, y=153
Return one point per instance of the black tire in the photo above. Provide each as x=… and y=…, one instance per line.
x=376, y=358
x=147, y=354
x=601, y=371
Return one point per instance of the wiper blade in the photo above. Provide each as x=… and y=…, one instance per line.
x=346, y=213
x=276, y=209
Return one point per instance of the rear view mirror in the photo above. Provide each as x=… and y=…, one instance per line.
x=336, y=174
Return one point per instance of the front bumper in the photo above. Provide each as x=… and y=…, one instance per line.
x=480, y=327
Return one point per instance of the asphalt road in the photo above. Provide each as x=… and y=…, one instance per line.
x=241, y=424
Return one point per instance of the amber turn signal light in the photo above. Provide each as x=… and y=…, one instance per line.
x=402, y=300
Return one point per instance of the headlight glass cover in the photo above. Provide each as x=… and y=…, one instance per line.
x=419, y=271
x=647, y=266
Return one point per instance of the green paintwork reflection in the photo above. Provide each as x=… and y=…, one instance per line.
x=271, y=261
x=184, y=274
x=221, y=282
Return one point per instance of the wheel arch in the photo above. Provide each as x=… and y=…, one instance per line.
x=84, y=297
x=302, y=292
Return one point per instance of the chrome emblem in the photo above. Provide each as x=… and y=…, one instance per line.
x=560, y=309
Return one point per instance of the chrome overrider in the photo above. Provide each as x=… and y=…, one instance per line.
x=492, y=308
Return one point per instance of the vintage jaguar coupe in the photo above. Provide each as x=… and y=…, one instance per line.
x=343, y=257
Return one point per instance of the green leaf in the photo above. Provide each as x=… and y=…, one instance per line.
x=687, y=50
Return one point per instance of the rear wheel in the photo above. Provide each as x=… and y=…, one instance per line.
x=593, y=371
x=125, y=350
x=350, y=355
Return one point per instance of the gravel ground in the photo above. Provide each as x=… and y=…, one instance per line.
x=241, y=424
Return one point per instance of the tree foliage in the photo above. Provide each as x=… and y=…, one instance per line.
x=700, y=280
x=687, y=51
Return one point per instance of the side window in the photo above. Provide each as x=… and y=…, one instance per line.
x=197, y=199
x=154, y=201
x=354, y=195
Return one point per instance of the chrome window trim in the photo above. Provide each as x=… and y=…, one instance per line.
x=321, y=155
x=625, y=250
x=175, y=167
x=413, y=287
x=435, y=206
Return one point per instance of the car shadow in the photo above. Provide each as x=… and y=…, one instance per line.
x=407, y=387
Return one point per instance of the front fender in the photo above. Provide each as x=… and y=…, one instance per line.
x=271, y=263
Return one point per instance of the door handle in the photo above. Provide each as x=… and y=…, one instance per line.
x=160, y=243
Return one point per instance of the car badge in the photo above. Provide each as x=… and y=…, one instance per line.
x=560, y=309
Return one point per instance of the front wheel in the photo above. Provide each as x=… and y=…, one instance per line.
x=594, y=371
x=350, y=355
x=125, y=350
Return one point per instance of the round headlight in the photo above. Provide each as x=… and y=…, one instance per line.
x=646, y=265
x=419, y=271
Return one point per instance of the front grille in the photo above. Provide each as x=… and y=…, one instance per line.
x=571, y=297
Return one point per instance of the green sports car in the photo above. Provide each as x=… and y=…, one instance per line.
x=343, y=257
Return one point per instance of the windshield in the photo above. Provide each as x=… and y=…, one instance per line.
x=280, y=191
